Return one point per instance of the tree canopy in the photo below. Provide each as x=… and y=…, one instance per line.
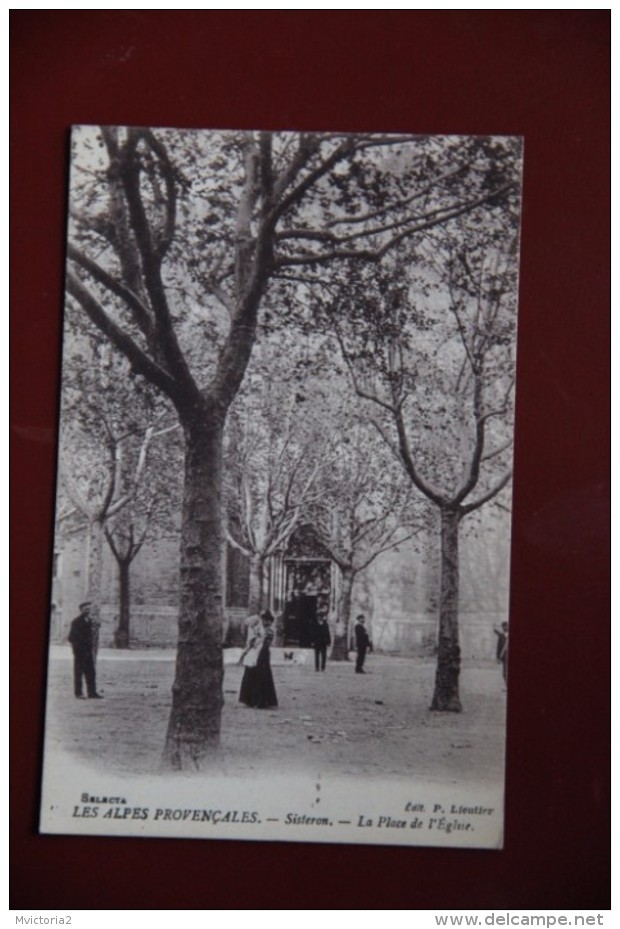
x=183, y=243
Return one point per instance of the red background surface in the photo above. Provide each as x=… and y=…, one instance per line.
x=540, y=74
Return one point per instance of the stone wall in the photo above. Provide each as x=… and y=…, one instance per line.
x=398, y=593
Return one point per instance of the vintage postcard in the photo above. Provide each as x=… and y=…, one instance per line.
x=281, y=563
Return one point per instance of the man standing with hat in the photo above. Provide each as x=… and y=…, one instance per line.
x=81, y=639
x=362, y=643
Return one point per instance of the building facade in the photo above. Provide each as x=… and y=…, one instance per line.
x=398, y=592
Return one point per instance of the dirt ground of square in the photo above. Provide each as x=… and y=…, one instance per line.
x=338, y=722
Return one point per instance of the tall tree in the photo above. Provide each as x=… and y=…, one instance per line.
x=365, y=509
x=175, y=238
x=276, y=451
x=440, y=392
x=151, y=509
x=103, y=450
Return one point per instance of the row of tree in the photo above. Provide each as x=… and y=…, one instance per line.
x=242, y=288
x=296, y=452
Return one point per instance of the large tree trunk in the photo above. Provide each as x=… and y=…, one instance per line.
x=257, y=572
x=340, y=648
x=446, y=696
x=194, y=725
x=121, y=633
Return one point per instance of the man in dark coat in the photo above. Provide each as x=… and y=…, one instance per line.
x=362, y=642
x=81, y=639
x=502, y=647
x=322, y=638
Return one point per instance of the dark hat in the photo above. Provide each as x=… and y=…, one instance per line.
x=85, y=604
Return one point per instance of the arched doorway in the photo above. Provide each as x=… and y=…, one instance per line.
x=309, y=586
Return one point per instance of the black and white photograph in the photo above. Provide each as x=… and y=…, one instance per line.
x=280, y=598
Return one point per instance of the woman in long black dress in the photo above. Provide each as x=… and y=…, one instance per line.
x=249, y=658
x=257, y=687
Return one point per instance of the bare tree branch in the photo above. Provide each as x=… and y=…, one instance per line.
x=476, y=504
x=140, y=313
x=375, y=255
x=119, y=338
